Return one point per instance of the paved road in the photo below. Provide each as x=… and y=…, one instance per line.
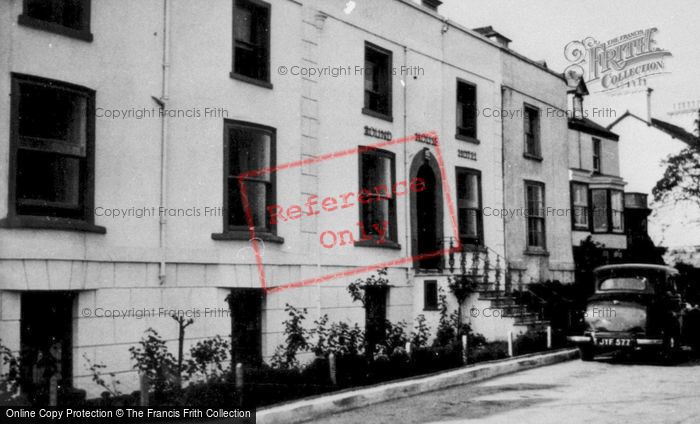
x=604, y=391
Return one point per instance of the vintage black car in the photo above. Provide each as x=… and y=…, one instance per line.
x=634, y=307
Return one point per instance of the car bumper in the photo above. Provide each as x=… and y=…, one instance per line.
x=593, y=339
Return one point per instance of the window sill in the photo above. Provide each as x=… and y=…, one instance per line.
x=467, y=139
x=582, y=229
x=614, y=233
x=50, y=223
x=55, y=28
x=532, y=157
x=376, y=114
x=258, y=82
x=431, y=309
x=244, y=235
x=386, y=244
x=534, y=251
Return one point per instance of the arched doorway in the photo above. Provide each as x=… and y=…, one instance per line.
x=426, y=212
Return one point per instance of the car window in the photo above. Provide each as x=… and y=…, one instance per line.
x=624, y=283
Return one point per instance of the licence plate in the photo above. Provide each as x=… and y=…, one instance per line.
x=615, y=342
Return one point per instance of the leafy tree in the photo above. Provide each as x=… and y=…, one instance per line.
x=681, y=180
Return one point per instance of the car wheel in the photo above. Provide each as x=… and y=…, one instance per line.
x=587, y=353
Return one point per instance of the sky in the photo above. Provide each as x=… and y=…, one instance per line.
x=540, y=29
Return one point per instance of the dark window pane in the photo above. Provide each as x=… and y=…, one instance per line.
x=249, y=151
x=377, y=81
x=243, y=24
x=596, y=155
x=376, y=172
x=580, y=205
x=617, y=209
x=257, y=195
x=531, y=117
x=251, y=32
x=69, y=13
x=469, y=207
x=430, y=294
x=468, y=223
x=535, y=213
x=52, y=114
x=51, y=149
x=376, y=180
x=536, y=232
x=466, y=109
x=600, y=210
x=48, y=177
x=375, y=215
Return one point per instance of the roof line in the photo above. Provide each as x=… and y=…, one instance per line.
x=480, y=37
x=624, y=115
x=660, y=126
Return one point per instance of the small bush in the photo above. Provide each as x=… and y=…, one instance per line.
x=530, y=342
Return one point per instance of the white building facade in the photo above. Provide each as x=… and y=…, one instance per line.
x=124, y=151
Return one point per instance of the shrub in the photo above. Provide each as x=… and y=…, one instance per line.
x=488, y=352
x=96, y=369
x=209, y=358
x=530, y=342
x=285, y=355
x=420, y=333
x=344, y=340
x=395, y=338
x=445, y=331
x=153, y=359
x=357, y=287
x=10, y=380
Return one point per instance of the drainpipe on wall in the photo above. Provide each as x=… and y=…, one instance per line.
x=407, y=200
x=503, y=180
x=165, y=92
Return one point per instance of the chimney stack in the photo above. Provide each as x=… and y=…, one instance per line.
x=649, y=91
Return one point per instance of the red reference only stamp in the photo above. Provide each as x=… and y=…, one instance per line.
x=371, y=228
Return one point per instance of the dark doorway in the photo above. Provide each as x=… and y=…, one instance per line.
x=46, y=339
x=427, y=220
x=246, y=307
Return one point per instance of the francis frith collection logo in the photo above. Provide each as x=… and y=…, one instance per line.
x=621, y=63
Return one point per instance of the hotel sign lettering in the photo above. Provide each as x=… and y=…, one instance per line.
x=466, y=154
x=377, y=133
x=425, y=138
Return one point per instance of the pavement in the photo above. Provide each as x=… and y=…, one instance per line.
x=608, y=390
